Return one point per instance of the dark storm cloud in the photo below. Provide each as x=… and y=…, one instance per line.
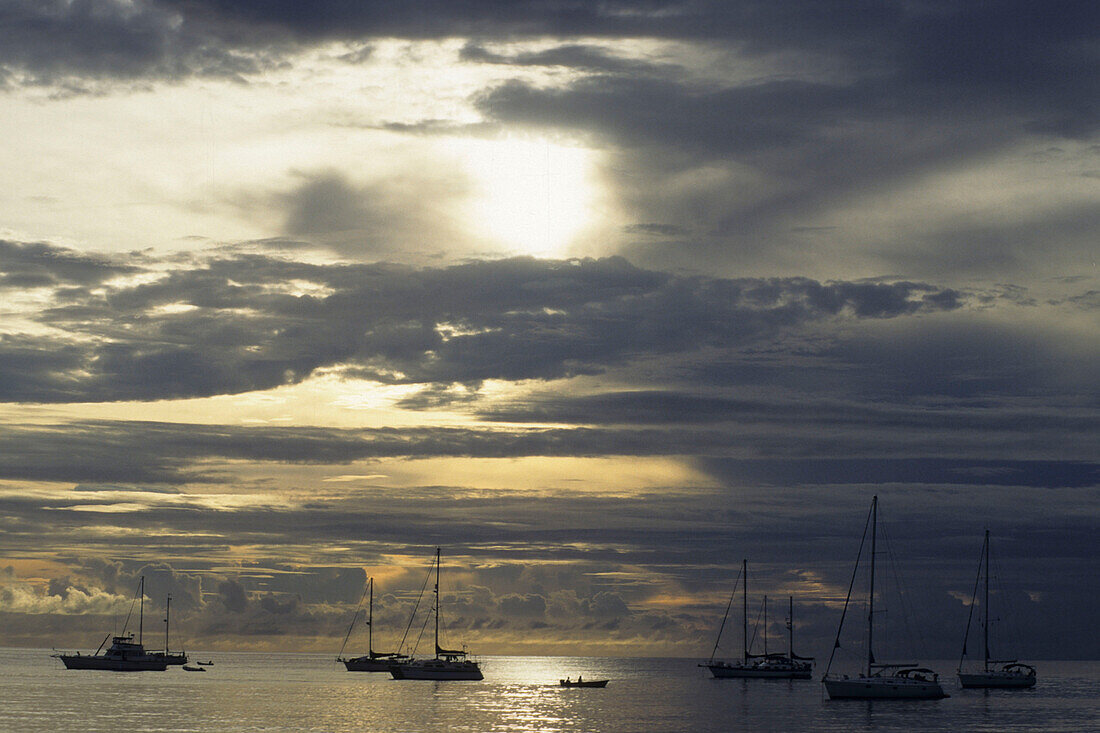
x=37, y=264
x=987, y=444
x=788, y=407
x=60, y=42
x=1010, y=52
x=384, y=219
x=944, y=63
x=234, y=326
x=925, y=471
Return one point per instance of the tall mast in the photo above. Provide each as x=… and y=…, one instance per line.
x=167, y=615
x=437, y=602
x=370, y=620
x=745, y=610
x=765, y=627
x=790, y=627
x=985, y=603
x=141, y=606
x=871, y=589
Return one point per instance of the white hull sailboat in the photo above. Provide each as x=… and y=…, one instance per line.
x=372, y=661
x=445, y=667
x=751, y=666
x=878, y=681
x=1011, y=674
x=447, y=664
x=890, y=682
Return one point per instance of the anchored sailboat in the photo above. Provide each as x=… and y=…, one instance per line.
x=790, y=664
x=372, y=661
x=1011, y=674
x=759, y=666
x=124, y=654
x=878, y=681
x=170, y=657
x=447, y=664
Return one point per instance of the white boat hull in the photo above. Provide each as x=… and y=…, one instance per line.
x=883, y=688
x=113, y=664
x=1000, y=680
x=734, y=671
x=433, y=669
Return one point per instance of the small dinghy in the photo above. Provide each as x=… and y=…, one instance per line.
x=581, y=682
x=192, y=668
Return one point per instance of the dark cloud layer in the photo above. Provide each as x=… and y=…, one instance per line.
x=1014, y=53
x=33, y=265
x=234, y=327
x=569, y=564
x=68, y=44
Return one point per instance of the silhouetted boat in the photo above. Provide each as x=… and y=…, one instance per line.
x=447, y=664
x=1011, y=674
x=124, y=654
x=878, y=681
x=193, y=668
x=788, y=666
x=170, y=657
x=372, y=661
x=579, y=682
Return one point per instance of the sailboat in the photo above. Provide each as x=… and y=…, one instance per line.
x=1012, y=674
x=170, y=657
x=789, y=665
x=447, y=664
x=765, y=666
x=878, y=681
x=372, y=661
x=124, y=654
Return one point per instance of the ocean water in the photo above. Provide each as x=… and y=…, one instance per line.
x=308, y=692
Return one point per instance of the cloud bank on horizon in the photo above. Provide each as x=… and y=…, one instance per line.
x=601, y=297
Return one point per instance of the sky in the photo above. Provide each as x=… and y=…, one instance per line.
x=600, y=298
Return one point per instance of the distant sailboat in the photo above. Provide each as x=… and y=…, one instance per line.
x=170, y=657
x=878, y=681
x=372, y=661
x=447, y=664
x=124, y=654
x=765, y=666
x=1011, y=674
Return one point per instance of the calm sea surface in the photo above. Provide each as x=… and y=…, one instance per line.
x=307, y=692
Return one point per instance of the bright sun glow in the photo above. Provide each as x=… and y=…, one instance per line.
x=531, y=196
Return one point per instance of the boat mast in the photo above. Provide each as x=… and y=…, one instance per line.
x=765, y=627
x=437, y=603
x=851, y=587
x=871, y=590
x=985, y=603
x=370, y=620
x=790, y=627
x=167, y=615
x=141, y=606
x=745, y=610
